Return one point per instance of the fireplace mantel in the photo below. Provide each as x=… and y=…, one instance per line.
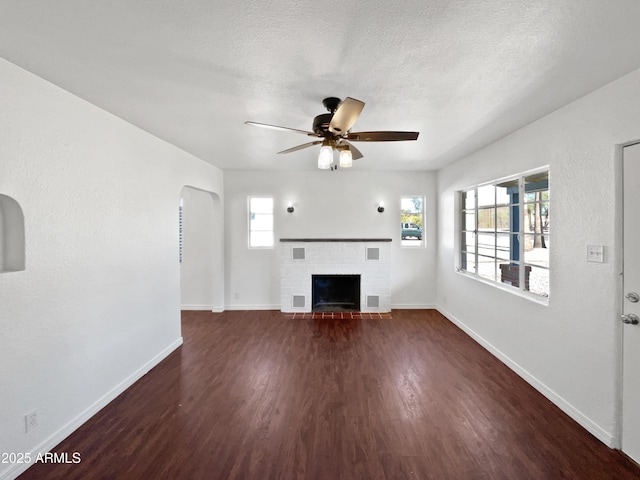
x=335, y=239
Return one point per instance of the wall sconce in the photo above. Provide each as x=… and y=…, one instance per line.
x=290, y=207
x=381, y=206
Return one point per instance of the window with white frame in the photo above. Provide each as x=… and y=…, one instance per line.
x=504, y=232
x=260, y=222
x=412, y=231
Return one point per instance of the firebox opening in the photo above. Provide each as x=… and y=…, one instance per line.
x=335, y=293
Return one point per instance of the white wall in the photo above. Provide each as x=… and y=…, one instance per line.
x=327, y=204
x=202, y=267
x=98, y=303
x=569, y=349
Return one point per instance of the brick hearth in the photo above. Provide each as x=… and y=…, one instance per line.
x=338, y=315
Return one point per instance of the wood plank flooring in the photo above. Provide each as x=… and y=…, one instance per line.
x=261, y=395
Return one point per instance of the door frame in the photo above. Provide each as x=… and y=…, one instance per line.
x=618, y=258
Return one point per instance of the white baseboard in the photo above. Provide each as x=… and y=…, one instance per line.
x=207, y=308
x=399, y=306
x=413, y=306
x=196, y=307
x=253, y=307
x=598, y=432
x=66, y=430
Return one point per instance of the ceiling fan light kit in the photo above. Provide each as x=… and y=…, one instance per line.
x=335, y=130
x=346, y=159
x=325, y=159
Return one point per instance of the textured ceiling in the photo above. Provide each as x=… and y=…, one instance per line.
x=461, y=73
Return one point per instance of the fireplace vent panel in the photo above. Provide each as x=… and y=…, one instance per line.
x=298, y=301
x=373, y=301
x=373, y=253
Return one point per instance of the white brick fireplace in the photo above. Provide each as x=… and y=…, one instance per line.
x=302, y=258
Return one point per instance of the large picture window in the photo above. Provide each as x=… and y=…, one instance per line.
x=260, y=222
x=504, y=234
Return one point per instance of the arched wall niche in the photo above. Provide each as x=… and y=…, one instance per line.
x=12, y=238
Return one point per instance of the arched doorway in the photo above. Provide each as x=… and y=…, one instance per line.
x=12, y=241
x=202, y=264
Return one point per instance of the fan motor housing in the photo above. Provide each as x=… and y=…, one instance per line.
x=321, y=123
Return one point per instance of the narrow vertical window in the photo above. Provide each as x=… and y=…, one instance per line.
x=260, y=222
x=412, y=233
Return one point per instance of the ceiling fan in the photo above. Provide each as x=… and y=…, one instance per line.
x=334, y=129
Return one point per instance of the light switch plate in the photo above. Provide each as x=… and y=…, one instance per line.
x=595, y=253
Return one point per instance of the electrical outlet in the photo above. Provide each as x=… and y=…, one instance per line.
x=31, y=421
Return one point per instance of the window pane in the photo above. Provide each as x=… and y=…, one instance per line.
x=486, y=195
x=261, y=221
x=487, y=268
x=469, y=221
x=544, y=208
x=538, y=280
x=514, y=214
x=536, y=217
x=502, y=196
x=486, y=219
x=503, y=219
x=486, y=244
x=507, y=192
x=261, y=239
x=261, y=205
x=509, y=273
x=537, y=196
x=468, y=263
x=469, y=242
x=539, y=183
x=536, y=250
x=514, y=246
x=503, y=246
x=469, y=199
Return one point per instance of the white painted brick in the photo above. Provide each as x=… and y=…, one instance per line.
x=335, y=258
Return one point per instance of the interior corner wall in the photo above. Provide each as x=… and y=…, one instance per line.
x=98, y=303
x=341, y=204
x=570, y=349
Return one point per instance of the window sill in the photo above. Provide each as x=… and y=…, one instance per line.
x=413, y=245
x=532, y=297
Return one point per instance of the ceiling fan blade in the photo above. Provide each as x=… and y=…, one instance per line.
x=382, y=136
x=300, y=147
x=346, y=115
x=355, y=153
x=286, y=129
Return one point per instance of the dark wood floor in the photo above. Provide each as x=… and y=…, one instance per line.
x=260, y=395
